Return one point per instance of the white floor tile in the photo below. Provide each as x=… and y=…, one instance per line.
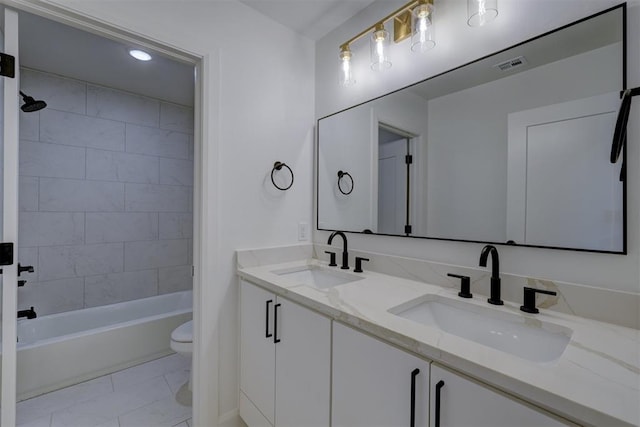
x=176, y=379
x=190, y=422
x=39, y=422
x=103, y=409
x=162, y=413
x=111, y=423
x=37, y=407
x=183, y=424
x=137, y=374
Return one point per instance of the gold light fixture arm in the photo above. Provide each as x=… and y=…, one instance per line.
x=404, y=9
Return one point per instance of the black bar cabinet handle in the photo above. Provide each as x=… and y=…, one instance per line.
x=266, y=323
x=439, y=386
x=275, y=324
x=414, y=374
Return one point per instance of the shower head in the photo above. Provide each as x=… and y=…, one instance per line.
x=30, y=104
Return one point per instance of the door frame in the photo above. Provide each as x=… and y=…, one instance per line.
x=205, y=213
x=10, y=224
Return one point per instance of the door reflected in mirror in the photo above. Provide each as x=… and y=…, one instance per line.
x=511, y=148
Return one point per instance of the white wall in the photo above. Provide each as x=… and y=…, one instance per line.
x=467, y=169
x=457, y=44
x=260, y=78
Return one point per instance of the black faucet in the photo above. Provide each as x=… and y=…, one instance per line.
x=495, y=272
x=345, y=254
x=29, y=314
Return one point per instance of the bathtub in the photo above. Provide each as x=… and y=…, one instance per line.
x=60, y=350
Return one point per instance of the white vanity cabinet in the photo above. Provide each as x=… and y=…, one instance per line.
x=285, y=361
x=460, y=402
x=372, y=383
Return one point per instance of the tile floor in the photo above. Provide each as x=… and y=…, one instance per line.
x=142, y=396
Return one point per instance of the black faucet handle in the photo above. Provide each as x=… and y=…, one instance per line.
x=332, y=258
x=530, y=299
x=21, y=283
x=27, y=268
x=358, y=268
x=465, y=285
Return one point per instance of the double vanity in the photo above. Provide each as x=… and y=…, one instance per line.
x=321, y=346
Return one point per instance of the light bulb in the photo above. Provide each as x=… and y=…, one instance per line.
x=480, y=12
x=422, y=35
x=346, y=75
x=380, y=48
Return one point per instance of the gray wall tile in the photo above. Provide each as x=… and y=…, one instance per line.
x=51, y=228
x=121, y=227
x=60, y=93
x=51, y=160
x=116, y=105
x=157, y=142
x=28, y=193
x=50, y=297
x=174, y=279
x=176, y=225
x=157, y=198
x=61, y=127
x=30, y=126
x=124, y=167
x=154, y=254
x=176, y=117
x=176, y=172
x=117, y=287
x=100, y=178
x=72, y=195
x=57, y=262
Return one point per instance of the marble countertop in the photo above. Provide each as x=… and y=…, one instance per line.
x=596, y=381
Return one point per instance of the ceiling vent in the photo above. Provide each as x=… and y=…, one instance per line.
x=511, y=63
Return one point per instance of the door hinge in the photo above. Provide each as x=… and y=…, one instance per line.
x=408, y=159
x=7, y=65
x=407, y=229
x=6, y=253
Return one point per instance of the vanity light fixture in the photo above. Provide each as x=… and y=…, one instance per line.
x=422, y=23
x=415, y=20
x=480, y=12
x=346, y=74
x=379, y=43
x=140, y=55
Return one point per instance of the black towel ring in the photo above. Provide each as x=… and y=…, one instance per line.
x=276, y=167
x=341, y=175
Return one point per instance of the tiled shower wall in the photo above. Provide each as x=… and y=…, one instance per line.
x=106, y=190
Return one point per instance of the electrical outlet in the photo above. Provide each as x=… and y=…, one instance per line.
x=303, y=231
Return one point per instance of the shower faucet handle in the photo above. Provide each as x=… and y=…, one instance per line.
x=27, y=268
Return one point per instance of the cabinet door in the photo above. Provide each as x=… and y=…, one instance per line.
x=257, y=352
x=465, y=403
x=303, y=367
x=372, y=383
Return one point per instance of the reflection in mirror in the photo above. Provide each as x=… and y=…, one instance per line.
x=511, y=148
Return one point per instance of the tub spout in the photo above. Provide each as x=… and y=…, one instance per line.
x=29, y=314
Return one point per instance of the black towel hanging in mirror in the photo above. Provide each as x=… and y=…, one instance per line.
x=620, y=132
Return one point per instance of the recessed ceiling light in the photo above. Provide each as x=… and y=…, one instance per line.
x=140, y=55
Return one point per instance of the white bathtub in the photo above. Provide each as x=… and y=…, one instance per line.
x=59, y=350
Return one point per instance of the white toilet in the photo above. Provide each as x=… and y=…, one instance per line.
x=182, y=342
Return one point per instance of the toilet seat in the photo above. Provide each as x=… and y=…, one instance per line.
x=183, y=333
x=182, y=338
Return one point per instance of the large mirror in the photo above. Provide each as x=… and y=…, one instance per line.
x=513, y=148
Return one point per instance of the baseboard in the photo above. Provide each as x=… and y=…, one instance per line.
x=231, y=419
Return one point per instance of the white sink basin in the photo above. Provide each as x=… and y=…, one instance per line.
x=520, y=336
x=317, y=277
